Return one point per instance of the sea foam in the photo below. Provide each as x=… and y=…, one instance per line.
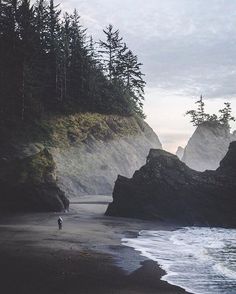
x=200, y=260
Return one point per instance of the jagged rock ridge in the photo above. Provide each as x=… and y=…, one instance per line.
x=180, y=152
x=166, y=189
x=207, y=146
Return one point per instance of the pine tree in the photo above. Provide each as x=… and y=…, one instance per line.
x=110, y=49
x=94, y=73
x=65, y=56
x=41, y=80
x=133, y=78
x=40, y=20
x=48, y=65
x=53, y=44
x=93, y=54
x=199, y=116
x=226, y=114
x=201, y=110
x=24, y=22
x=79, y=55
x=2, y=68
x=9, y=70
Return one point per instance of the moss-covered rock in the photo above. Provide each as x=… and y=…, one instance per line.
x=29, y=184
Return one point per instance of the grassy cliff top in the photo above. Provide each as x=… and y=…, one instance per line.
x=65, y=130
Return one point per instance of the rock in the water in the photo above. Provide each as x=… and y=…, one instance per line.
x=29, y=184
x=180, y=152
x=207, y=146
x=166, y=189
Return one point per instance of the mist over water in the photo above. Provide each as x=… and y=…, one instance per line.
x=200, y=260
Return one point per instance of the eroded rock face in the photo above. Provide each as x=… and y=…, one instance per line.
x=207, y=146
x=71, y=155
x=180, y=152
x=166, y=189
x=30, y=184
x=91, y=167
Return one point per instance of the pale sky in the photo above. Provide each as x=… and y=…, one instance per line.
x=187, y=47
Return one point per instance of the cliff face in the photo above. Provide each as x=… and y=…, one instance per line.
x=166, y=189
x=180, y=152
x=109, y=146
x=207, y=146
x=29, y=184
x=86, y=152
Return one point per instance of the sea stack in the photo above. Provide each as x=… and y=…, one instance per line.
x=180, y=152
x=207, y=146
x=167, y=189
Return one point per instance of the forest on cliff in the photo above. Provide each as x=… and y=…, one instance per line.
x=49, y=64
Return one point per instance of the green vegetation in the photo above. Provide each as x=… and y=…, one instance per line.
x=199, y=116
x=39, y=167
x=34, y=169
x=49, y=65
x=61, y=131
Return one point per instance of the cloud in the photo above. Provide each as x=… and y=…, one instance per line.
x=187, y=46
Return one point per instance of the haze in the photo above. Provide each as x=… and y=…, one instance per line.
x=187, y=48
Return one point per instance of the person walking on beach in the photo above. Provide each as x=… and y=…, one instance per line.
x=60, y=221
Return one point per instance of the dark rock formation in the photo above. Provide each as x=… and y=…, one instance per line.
x=166, y=189
x=29, y=184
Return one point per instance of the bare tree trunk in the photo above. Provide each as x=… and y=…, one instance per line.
x=110, y=64
x=65, y=81
x=23, y=94
x=56, y=81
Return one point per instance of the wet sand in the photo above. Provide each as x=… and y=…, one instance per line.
x=85, y=257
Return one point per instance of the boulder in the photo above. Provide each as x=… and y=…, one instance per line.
x=30, y=184
x=167, y=189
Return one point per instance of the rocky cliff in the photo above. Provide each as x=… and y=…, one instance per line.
x=166, y=189
x=29, y=184
x=180, y=152
x=85, y=152
x=207, y=146
x=98, y=150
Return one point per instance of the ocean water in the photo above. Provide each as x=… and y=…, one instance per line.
x=200, y=260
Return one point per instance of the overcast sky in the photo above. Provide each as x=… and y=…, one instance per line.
x=187, y=47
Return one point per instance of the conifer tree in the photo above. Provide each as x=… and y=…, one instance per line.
x=79, y=55
x=65, y=56
x=226, y=114
x=53, y=41
x=110, y=50
x=198, y=117
x=48, y=65
x=10, y=68
x=133, y=78
x=40, y=20
x=27, y=54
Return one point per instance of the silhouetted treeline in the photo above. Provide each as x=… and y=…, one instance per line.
x=49, y=64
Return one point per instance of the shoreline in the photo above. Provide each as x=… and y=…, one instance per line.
x=85, y=257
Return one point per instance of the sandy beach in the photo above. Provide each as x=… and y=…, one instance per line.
x=85, y=257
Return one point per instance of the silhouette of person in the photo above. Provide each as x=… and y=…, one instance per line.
x=60, y=221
